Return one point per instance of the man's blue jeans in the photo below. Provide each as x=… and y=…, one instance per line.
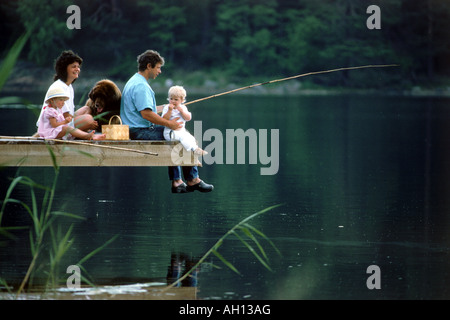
x=155, y=132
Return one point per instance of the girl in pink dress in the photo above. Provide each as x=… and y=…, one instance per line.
x=53, y=124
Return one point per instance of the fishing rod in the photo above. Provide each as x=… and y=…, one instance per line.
x=78, y=143
x=294, y=77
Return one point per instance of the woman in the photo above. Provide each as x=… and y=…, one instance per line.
x=67, y=68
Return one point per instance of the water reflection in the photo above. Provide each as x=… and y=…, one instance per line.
x=363, y=180
x=181, y=268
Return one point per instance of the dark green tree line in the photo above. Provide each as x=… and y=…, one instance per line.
x=243, y=39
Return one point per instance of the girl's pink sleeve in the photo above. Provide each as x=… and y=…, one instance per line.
x=50, y=113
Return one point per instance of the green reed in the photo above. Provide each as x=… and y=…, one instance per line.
x=45, y=235
x=248, y=235
x=42, y=217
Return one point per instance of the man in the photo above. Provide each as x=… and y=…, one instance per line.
x=138, y=110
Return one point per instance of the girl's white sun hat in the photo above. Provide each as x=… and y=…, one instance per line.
x=56, y=93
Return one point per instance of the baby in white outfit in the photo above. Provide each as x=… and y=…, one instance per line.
x=176, y=109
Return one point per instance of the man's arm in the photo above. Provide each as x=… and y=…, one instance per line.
x=151, y=116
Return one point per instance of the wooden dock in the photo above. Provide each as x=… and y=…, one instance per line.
x=34, y=152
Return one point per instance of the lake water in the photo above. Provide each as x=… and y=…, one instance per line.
x=362, y=181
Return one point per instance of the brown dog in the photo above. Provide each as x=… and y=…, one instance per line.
x=104, y=97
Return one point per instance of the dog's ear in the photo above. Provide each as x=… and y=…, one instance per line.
x=91, y=93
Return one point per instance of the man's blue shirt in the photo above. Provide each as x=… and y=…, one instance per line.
x=137, y=95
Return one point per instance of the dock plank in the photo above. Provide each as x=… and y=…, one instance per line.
x=35, y=153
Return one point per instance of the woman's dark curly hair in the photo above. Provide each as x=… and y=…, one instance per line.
x=66, y=58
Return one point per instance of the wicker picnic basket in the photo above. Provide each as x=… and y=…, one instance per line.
x=116, y=131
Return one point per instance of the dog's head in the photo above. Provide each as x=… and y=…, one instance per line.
x=104, y=97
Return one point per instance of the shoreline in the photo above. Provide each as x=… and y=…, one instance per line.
x=39, y=79
x=204, y=91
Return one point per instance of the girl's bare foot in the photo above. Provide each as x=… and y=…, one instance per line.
x=99, y=137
